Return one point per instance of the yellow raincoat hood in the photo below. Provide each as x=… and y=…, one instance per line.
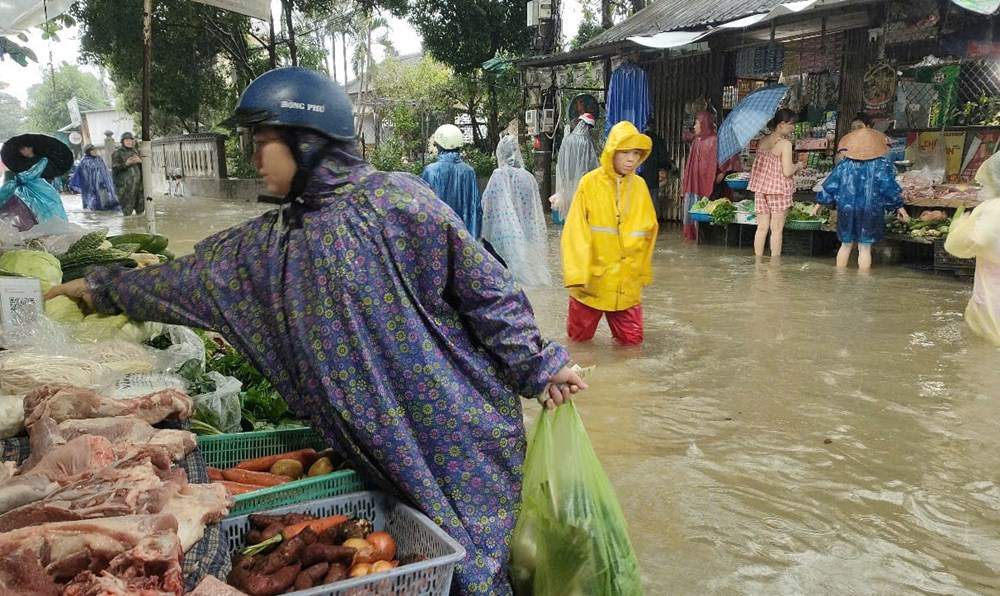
x=978, y=235
x=610, y=230
x=624, y=136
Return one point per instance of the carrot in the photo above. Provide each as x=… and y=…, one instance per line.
x=214, y=474
x=317, y=525
x=236, y=488
x=306, y=457
x=249, y=477
x=291, y=531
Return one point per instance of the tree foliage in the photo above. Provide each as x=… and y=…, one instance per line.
x=409, y=96
x=191, y=87
x=47, y=110
x=12, y=116
x=465, y=33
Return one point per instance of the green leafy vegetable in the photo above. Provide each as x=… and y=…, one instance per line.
x=723, y=214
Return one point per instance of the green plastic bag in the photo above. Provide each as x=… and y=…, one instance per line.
x=571, y=538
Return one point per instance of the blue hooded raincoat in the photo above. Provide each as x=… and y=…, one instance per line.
x=454, y=181
x=862, y=191
x=93, y=180
x=388, y=328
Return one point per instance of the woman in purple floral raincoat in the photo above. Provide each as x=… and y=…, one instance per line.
x=369, y=306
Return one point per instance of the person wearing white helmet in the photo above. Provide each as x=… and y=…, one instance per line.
x=453, y=180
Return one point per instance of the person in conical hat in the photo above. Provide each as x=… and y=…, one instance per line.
x=977, y=235
x=862, y=187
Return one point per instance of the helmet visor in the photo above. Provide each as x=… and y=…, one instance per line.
x=246, y=118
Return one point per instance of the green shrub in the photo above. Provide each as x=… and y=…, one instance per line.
x=482, y=163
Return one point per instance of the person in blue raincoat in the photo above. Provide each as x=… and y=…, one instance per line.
x=33, y=192
x=453, y=180
x=862, y=187
x=372, y=310
x=94, y=183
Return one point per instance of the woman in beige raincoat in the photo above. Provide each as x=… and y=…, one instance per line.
x=978, y=235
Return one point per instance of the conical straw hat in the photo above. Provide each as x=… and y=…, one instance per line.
x=864, y=144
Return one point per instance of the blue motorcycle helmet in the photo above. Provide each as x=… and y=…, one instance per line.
x=299, y=98
x=292, y=100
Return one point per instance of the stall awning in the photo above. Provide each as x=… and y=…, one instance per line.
x=20, y=15
x=674, y=39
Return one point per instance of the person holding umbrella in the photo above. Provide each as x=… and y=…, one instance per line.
x=93, y=181
x=771, y=181
x=28, y=198
x=127, y=167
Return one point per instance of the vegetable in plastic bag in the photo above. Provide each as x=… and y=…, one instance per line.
x=571, y=537
x=220, y=408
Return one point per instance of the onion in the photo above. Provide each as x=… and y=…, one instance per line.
x=379, y=566
x=359, y=570
x=383, y=546
x=363, y=550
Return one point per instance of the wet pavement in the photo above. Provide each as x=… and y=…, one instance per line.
x=784, y=429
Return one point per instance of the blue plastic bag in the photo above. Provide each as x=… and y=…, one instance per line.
x=37, y=194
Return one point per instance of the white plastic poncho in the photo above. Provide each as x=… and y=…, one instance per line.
x=577, y=156
x=513, y=219
x=978, y=235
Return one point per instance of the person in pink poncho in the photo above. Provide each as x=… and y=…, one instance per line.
x=703, y=171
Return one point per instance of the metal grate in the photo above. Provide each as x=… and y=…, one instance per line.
x=956, y=93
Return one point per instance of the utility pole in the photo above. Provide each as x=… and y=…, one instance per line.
x=145, y=147
x=546, y=40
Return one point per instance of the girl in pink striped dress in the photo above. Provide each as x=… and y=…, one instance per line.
x=771, y=181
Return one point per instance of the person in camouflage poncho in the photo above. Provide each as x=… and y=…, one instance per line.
x=127, y=168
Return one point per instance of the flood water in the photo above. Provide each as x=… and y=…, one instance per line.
x=785, y=428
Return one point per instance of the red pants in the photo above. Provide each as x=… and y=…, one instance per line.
x=626, y=325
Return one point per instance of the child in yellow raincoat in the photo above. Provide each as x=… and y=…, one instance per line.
x=978, y=235
x=608, y=239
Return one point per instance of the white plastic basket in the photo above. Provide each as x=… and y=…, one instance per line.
x=413, y=531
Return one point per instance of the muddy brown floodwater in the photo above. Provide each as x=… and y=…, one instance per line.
x=784, y=429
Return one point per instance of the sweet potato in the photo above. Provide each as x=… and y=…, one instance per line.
x=270, y=531
x=263, y=520
x=238, y=488
x=253, y=536
x=287, y=553
x=273, y=584
x=240, y=572
x=335, y=573
x=306, y=457
x=310, y=576
x=315, y=553
x=214, y=474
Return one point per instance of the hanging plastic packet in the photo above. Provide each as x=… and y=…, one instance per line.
x=571, y=536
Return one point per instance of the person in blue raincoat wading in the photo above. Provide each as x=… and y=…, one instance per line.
x=372, y=310
x=453, y=180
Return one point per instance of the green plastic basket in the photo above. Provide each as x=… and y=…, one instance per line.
x=807, y=224
x=225, y=451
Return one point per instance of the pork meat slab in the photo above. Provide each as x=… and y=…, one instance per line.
x=196, y=506
x=66, y=402
x=152, y=568
x=129, y=486
x=120, y=430
x=67, y=549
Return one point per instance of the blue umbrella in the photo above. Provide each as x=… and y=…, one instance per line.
x=747, y=119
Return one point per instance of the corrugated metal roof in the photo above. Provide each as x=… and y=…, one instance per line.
x=674, y=15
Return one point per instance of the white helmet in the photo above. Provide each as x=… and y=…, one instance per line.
x=448, y=137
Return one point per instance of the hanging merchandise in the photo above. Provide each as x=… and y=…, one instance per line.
x=629, y=98
x=879, y=91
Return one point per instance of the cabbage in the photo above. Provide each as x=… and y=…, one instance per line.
x=140, y=332
x=33, y=263
x=63, y=309
x=116, y=321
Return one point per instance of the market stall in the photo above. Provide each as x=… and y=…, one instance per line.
x=161, y=454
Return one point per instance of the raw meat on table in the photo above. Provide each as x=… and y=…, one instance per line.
x=120, y=430
x=66, y=402
x=66, y=549
x=152, y=568
x=60, y=466
x=196, y=506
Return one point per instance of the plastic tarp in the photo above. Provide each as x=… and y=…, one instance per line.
x=986, y=7
x=19, y=15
